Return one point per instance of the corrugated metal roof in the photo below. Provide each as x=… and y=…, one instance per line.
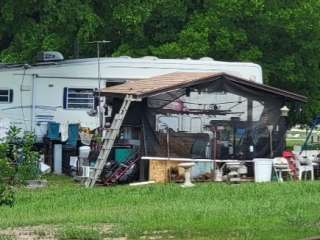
x=146, y=87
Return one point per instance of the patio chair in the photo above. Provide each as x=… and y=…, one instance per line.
x=281, y=165
x=304, y=165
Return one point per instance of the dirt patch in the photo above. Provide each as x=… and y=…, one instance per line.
x=155, y=235
x=43, y=232
x=51, y=232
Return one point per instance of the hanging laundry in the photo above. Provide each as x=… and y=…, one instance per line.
x=53, y=131
x=73, y=131
x=64, y=130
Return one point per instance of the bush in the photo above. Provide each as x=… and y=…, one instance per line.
x=20, y=152
x=18, y=162
x=6, y=195
x=6, y=179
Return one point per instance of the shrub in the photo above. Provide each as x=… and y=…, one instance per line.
x=6, y=195
x=20, y=152
x=18, y=162
x=6, y=179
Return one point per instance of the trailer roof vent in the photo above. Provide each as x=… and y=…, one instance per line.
x=50, y=56
x=124, y=57
x=206, y=59
x=150, y=58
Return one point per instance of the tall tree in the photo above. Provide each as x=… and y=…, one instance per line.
x=30, y=26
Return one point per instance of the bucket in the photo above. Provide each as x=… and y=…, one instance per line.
x=262, y=169
x=84, y=151
x=218, y=175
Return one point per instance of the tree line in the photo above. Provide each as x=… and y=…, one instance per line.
x=283, y=36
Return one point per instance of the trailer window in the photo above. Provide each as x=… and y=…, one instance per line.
x=78, y=98
x=6, y=95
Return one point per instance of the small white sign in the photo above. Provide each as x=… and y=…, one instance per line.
x=73, y=161
x=251, y=148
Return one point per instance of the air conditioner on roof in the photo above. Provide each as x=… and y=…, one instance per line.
x=50, y=56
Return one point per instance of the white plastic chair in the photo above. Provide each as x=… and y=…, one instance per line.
x=304, y=165
x=280, y=165
x=86, y=171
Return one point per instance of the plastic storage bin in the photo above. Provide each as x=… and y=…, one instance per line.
x=262, y=169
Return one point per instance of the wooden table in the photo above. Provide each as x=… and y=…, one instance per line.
x=159, y=166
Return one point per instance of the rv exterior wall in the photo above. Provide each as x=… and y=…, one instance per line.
x=32, y=110
x=22, y=96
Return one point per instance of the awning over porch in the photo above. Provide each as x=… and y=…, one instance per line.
x=178, y=80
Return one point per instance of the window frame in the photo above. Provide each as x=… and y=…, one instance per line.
x=9, y=95
x=68, y=105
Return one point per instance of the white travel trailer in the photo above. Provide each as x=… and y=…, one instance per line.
x=62, y=91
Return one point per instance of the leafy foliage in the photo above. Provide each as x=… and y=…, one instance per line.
x=6, y=195
x=18, y=162
x=21, y=154
x=282, y=36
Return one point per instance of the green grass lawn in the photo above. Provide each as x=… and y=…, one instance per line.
x=290, y=210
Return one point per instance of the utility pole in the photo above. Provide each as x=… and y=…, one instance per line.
x=100, y=108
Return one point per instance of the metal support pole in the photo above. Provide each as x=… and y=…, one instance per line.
x=100, y=108
x=33, y=111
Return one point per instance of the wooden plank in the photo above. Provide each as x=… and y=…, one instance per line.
x=176, y=159
x=158, y=170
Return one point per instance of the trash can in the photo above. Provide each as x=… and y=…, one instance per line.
x=262, y=169
x=84, y=152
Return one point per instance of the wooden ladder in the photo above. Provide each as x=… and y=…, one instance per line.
x=109, y=140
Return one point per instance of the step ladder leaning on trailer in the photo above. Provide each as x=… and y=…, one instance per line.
x=109, y=140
